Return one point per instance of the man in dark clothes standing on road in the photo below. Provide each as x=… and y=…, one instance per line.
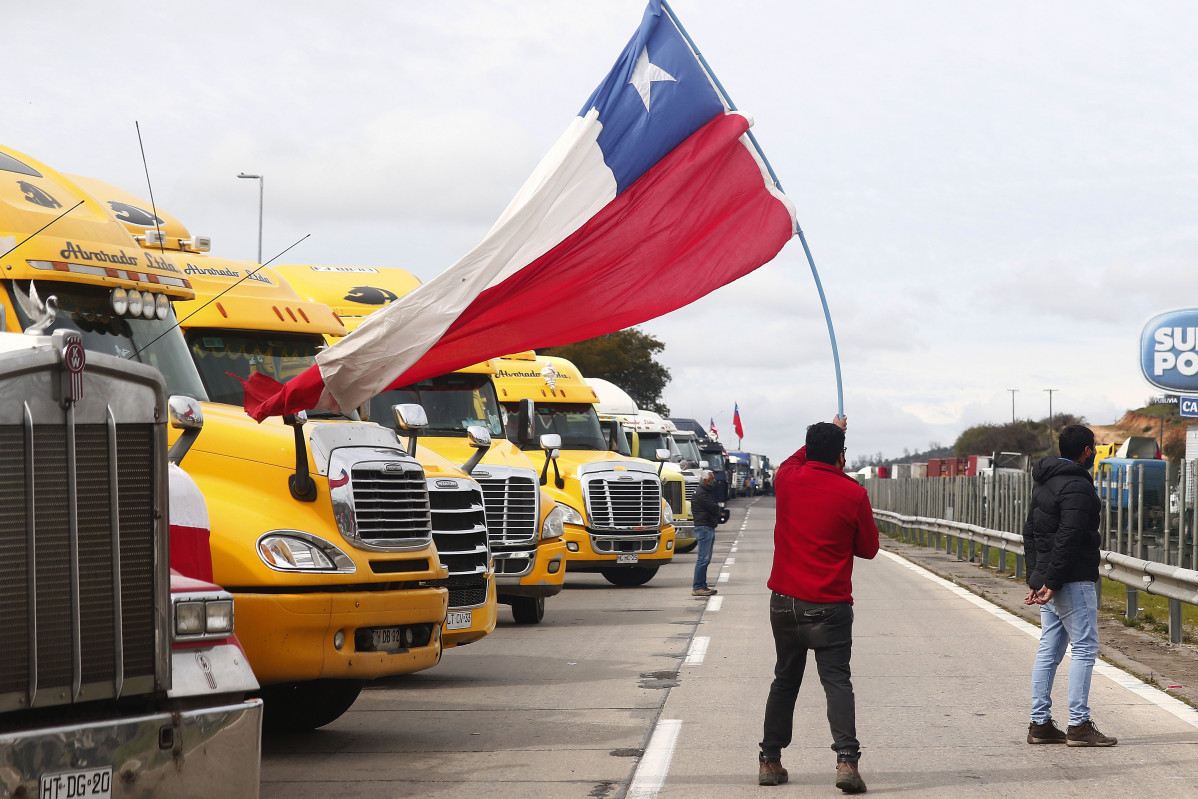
x=706, y=513
x=824, y=519
x=1061, y=547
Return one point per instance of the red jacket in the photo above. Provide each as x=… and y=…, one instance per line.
x=824, y=519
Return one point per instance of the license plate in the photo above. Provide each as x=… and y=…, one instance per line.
x=92, y=783
x=387, y=639
x=629, y=557
x=459, y=620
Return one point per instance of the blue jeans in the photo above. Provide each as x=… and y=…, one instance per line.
x=1071, y=616
x=706, y=538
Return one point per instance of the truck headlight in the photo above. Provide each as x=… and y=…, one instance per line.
x=667, y=513
x=554, y=526
x=571, y=516
x=197, y=617
x=293, y=551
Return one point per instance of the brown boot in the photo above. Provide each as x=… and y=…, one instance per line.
x=770, y=772
x=1086, y=734
x=848, y=778
x=1046, y=733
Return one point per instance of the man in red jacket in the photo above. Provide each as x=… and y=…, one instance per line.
x=824, y=519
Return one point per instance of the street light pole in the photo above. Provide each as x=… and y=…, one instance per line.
x=1012, y=390
x=261, y=190
x=1050, y=391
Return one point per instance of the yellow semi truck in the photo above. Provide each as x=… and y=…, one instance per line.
x=321, y=529
x=616, y=522
x=524, y=525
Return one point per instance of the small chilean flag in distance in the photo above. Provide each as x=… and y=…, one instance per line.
x=740, y=431
x=714, y=433
x=652, y=198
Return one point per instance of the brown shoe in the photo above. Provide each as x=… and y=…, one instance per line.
x=1046, y=733
x=770, y=772
x=848, y=778
x=1086, y=734
x=704, y=592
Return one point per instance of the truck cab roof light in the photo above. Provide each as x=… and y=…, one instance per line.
x=162, y=307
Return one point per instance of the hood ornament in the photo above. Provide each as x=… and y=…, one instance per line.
x=41, y=314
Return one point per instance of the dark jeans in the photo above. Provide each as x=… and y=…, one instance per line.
x=828, y=629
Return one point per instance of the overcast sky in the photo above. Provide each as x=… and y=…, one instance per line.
x=997, y=195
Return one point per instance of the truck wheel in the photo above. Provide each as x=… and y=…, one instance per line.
x=307, y=705
x=688, y=548
x=629, y=575
x=528, y=609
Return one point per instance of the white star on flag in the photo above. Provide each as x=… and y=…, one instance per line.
x=644, y=75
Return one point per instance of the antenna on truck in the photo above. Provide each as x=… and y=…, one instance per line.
x=153, y=208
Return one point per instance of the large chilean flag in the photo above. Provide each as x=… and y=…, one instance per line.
x=653, y=197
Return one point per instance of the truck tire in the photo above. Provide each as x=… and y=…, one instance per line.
x=688, y=548
x=300, y=707
x=528, y=609
x=629, y=575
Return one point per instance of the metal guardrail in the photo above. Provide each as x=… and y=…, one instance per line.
x=1176, y=584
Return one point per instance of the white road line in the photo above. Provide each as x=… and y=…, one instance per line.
x=655, y=764
x=1137, y=686
x=733, y=548
x=715, y=603
x=724, y=577
x=698, y=650
x=729, y=561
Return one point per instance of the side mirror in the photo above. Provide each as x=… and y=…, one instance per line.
x=301, y=484
x=185, y=414
x=411, y=418
x=662, y=454
x=551, y=441
x=704, y=465
x=478, y=437
x=525, y=427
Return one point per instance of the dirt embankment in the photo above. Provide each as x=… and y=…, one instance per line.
x=1139, y=423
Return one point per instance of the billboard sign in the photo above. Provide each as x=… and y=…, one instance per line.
x=1169, y=351
x=1189, y=406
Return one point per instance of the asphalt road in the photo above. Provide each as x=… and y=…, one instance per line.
x=649, y=692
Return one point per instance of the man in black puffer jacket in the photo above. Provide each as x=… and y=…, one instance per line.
x=1061, y=545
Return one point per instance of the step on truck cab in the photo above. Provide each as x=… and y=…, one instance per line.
x=121, y=677
x=617, y=409
x=524, y=526
x=616, y=522
x=328, y=593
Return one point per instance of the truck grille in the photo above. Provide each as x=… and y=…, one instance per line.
x=690, y=490
x=51, y=566
x=672, y=489
x=460, y=532
x=390, y=507
x=511, y=509
x=624, y=505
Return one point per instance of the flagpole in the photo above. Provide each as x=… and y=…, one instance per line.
x=773, y=176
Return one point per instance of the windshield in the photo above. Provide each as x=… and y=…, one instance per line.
x=452, y=403
x=651, y=443
x=689, y=450
x=715, y=460
x=88, y=310
x=576, y=422
x=617, y=442
x=222, y=356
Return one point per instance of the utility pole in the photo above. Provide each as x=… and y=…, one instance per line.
x=1050, y=391
x=1012, y=390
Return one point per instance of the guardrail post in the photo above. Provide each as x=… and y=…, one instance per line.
x=1020, y=567
x=960, y=548
x=1174, y=621
x=1140, y=511
x=1133, y=603
x=973, y=550
x=985, y=554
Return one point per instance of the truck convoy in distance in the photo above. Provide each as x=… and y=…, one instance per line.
x=524, y=526
x=122, y=676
